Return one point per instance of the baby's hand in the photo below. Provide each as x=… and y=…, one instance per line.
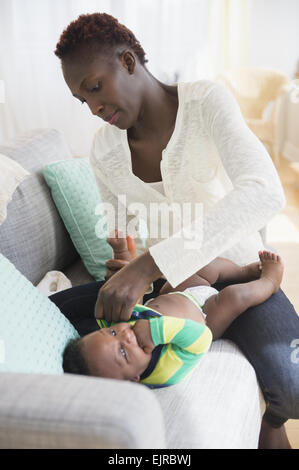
x=143, y=334
x=123, y=247
x=117, y=241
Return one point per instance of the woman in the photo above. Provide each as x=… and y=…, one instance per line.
x=181, y=143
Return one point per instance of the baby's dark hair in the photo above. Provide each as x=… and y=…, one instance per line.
x=73, y=359
x=97, y=28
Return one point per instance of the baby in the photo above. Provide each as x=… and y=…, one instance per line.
x=165, y=338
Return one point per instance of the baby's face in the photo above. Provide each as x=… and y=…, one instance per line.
x=114, y=352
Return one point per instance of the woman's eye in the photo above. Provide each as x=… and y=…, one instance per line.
x=113, y=332
x=97, y=87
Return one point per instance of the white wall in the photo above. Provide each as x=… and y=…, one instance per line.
x=274, y=35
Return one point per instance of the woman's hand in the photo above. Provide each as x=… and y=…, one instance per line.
x=121, y=292
x=143, y=334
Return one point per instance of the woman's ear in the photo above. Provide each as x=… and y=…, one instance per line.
x=128, y=60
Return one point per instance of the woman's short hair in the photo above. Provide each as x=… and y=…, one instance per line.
x=97, y=28
x=73, y=360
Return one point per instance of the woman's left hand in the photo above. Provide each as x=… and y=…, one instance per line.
x=121, y=292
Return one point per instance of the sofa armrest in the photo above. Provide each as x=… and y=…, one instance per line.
x=72, y=411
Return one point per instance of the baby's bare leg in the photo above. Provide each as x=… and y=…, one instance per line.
x=224, y=270
x=223, y=308
x=208, y=275
x=219, y=270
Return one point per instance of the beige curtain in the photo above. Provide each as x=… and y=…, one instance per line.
x=228, y=31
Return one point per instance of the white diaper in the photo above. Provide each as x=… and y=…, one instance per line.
x=200, y=294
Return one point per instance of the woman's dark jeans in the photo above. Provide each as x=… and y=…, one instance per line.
x=267, y=334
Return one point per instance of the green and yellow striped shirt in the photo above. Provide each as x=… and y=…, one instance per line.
x=183, y=341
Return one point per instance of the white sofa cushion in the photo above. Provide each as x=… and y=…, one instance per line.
x=219, y=406
x=76, y=412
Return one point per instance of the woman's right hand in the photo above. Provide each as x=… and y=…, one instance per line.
x=114, y=265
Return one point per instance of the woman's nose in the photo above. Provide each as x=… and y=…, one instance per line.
x=96, y=108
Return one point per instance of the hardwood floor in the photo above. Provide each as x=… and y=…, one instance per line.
x=283, y=234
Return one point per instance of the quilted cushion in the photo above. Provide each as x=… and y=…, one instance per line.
x=33, y=331
x=75, y=193
x=33, y=236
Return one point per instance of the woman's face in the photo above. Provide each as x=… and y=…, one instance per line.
x=108, y=84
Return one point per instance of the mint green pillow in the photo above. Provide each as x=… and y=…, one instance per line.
x=76, y=195
x=33, y=331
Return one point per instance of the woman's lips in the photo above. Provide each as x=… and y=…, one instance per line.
x=113, y=118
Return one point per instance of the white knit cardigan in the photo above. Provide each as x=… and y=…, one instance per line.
x=213, y=158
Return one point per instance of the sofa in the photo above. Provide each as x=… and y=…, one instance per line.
x=219, y=405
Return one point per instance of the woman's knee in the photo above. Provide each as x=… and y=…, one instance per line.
x=291, y=398
x=283, y=397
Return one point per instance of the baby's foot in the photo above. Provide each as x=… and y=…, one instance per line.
x=252, y=271
x=272, y=268
x=119, y=245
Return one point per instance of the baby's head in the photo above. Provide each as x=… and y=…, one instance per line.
x=110, y=352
